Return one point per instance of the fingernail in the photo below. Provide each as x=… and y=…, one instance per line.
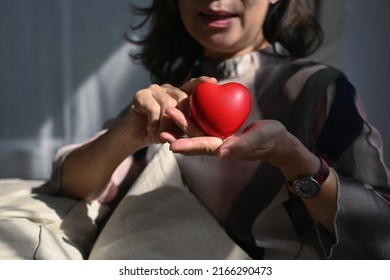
x=224, y=153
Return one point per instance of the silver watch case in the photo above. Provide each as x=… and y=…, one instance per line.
x=306, y=187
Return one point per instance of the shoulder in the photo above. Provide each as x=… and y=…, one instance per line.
x=293, y=72
x=292, y=77
x=302, y=70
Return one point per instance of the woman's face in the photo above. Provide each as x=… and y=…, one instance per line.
x=225, y=28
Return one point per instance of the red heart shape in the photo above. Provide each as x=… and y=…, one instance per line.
x=220, y=110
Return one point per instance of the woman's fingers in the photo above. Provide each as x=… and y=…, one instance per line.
x=194, y=142
x=153, y=103
x=190, y=85
x=196, y=146
x=262, y=140
x=183, y=122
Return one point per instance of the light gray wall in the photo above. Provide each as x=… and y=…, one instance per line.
x=64, y=70
x=367, y=60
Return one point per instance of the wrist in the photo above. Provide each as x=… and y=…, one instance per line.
x=298, y=161
x=309, y=186
x=124, y=140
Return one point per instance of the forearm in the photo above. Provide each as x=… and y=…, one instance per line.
x=87, y=170
x=323, y=208
x=302, y=162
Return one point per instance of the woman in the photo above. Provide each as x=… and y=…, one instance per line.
x=306, y=123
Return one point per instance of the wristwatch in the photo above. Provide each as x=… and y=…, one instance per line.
x=309, y=186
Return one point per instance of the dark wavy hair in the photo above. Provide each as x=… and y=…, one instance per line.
x=171, y=54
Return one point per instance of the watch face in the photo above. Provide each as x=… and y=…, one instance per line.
x=306, y=187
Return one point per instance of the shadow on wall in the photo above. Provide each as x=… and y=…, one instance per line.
x=104, y=94
x=74, y=74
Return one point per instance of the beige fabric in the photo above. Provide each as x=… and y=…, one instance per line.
x=161, y=219
x=36, y=225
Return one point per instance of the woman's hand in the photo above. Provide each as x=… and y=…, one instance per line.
x=146, y=118
x=265, y=140
x=262, y=140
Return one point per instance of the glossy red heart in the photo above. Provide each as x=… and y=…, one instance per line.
x=220, y=110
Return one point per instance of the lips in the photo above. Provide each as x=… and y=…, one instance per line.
x=217, y=18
